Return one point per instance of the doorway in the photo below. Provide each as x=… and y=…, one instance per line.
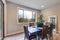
x=53, y=20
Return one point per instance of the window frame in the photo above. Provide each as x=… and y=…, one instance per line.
x=23, y=15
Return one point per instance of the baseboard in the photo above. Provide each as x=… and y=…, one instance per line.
x=12, y=34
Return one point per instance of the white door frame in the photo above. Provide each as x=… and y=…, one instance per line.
x=52, y=16
x=55, y=20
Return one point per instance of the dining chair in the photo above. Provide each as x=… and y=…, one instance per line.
x=50, y=30
x=44, y=32
x=27, y=36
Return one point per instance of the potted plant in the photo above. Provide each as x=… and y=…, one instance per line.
x=40, y=21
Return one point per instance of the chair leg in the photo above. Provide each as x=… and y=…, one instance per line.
x=29, y=39
x=47, y=37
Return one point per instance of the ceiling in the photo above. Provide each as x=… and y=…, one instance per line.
x=36, y=4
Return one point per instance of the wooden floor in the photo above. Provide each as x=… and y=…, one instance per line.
x=58, y=36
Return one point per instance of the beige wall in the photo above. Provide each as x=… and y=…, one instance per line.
x=12, y=26
x=53, y=11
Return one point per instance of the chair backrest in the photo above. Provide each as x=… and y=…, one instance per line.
x=31, y=24
x=51, y=26
x=26, y=31
x=50, y=29
x=44, y=31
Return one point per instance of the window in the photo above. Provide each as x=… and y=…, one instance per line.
x=26, y=16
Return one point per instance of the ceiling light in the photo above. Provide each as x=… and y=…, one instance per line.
x=42, y=6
